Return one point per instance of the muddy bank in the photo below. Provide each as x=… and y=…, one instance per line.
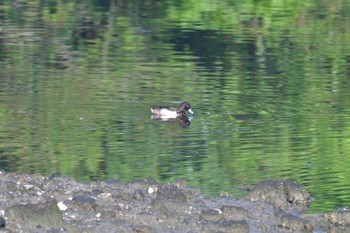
x=35, y=203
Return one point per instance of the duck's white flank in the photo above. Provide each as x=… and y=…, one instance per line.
x=167, y=113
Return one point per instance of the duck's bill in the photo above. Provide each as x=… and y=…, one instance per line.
x=190, y=111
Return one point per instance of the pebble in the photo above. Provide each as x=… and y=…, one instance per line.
x=62, y=206
x=2, y=222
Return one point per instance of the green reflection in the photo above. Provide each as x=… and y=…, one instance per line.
x=268, y=81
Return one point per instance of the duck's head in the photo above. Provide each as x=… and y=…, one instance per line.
x=185, y=106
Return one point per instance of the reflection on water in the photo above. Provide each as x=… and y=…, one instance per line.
x=269, y=87
x=184, y=121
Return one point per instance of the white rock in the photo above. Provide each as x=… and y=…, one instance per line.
x=62, y=206
x=28, y=186
x=150, y=190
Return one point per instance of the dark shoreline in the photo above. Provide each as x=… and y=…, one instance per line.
x=36, y=203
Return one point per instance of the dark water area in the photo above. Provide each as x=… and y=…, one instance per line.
x=268, y=82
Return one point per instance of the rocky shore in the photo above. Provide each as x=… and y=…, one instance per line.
x=35, y=203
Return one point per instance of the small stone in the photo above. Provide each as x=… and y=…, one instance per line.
x=2, y=222
x=152, y=189
x=28, y=186
x=138, y=195
x=96, y=192
x=144, y=229
x=62, y=206
x=104, y=195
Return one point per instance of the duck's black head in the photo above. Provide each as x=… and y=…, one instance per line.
x=185, y=106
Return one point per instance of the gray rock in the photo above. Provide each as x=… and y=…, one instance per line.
x=270, y=207
x=96, y=192
x=138, y=194
x=292, y=222
x=340, y=217
x=2, y=222
x=228, y=227
x=10, y=186
x=143, y=229
x=170, y=200
x=45, y=214
x=84, y=202
x=171, y=193
x=211, y=215
x=235, y=213
x=283, y=194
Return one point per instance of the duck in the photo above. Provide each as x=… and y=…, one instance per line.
x=171, y=112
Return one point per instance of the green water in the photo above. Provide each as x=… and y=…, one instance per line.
x=268, y=81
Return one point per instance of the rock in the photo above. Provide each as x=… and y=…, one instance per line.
x=84, y=202
x=143, y=229
x=340, y=217
x=28, y=186
x=46, y=214
x=62, y=206
x=103, y=207
x=211, y=215
x=2, y=222
x=292, y=222
x=170, y=199
x=319, y=222
x=96, y=192
x=181, y=183
x=282, y=194
x=138, y=194
x=171, y=193
x=228, y=226
x=152, y=189
x=6, y=186
x=235, y=213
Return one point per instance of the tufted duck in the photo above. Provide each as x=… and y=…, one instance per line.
x=170, y=112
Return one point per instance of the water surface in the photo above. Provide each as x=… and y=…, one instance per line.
x=268, y=84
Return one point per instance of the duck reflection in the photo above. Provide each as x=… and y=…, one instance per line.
x=184, y=121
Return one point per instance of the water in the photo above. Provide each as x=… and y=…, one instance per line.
x=269, y=87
